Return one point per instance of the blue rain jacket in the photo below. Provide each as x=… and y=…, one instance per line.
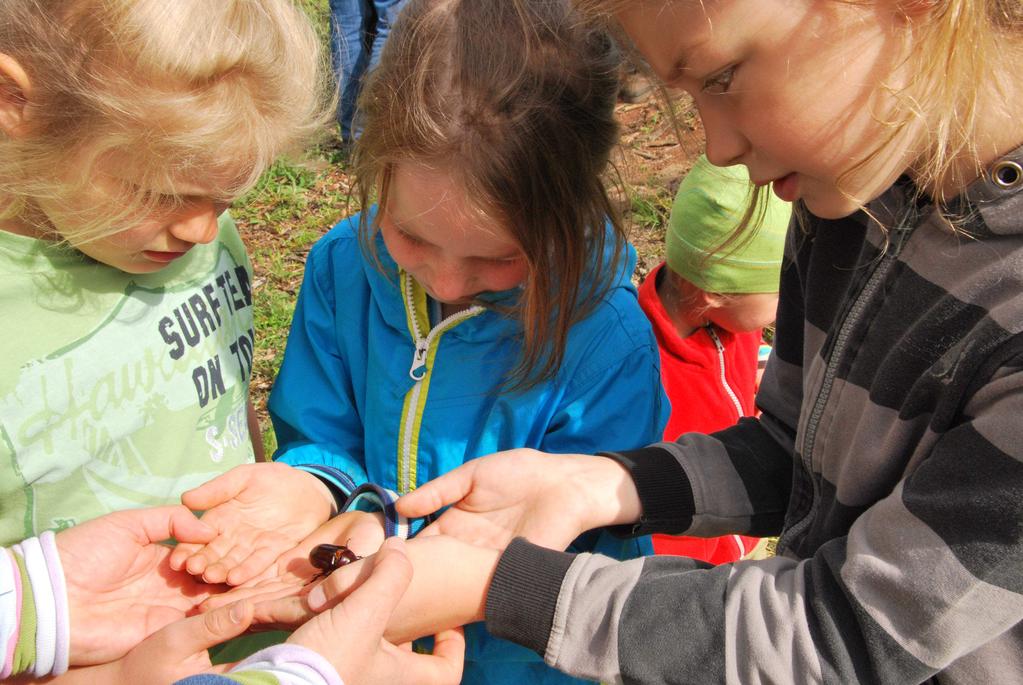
x=375, y=388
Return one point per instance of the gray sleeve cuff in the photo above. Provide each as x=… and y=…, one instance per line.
x=524, y=594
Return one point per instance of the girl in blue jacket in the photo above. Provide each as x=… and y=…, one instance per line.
x=482, y=304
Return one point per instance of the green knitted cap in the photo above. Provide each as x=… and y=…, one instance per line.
x=710, y=203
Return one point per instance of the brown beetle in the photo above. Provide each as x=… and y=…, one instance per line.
x=329, y=558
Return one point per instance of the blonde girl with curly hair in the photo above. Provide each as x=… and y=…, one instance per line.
x=126, y=129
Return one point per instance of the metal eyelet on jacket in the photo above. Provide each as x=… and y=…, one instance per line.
x=1007, y=174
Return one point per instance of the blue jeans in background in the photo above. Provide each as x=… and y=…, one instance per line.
x=358, y=29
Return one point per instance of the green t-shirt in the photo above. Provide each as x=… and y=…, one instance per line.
x=118, y=390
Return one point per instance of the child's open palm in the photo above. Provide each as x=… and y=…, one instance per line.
x=361, y=531
x=259, y=511
x=550, y=499
x=120, y=588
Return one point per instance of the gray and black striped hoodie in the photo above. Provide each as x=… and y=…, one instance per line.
x=889, y=458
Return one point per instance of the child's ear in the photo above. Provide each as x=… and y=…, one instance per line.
x=714, y=300
x=15, y=89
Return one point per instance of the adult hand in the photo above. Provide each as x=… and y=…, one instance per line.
x=350, y=635
x=449, y=587
x=120, y=585
x=259, y=511
x=361, y=531
x=549, y=499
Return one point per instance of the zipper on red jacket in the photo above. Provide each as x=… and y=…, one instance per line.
x=724, y=379
x=736, y=540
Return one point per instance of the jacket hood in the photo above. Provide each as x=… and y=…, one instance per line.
x=990, y=206
x=998, y=194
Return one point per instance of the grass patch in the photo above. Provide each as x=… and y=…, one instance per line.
x=289, y=209
x=650, y=211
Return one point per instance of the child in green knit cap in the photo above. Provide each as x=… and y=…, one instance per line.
x=708, y=305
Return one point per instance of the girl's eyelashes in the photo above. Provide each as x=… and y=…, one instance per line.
x=419, y=242
x=719, y=82
x=160, y=200
x=409, y=237
x=503, y=261
x=168, y=200
x=172, y=201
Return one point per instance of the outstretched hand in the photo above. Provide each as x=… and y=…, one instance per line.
x=259, y=512
x=120, y=585
x=360, y=531
x=351, y=635
x=448, y=589
x=549, y=499
x=180, y=649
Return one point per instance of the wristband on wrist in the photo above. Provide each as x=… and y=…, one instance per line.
x=25, y=650
x=10, y=596
x=372, y=497
x=62, y=651
x=291, y=665
x=46, y=613
x=34, y=616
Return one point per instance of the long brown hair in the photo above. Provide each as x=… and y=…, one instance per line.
x=516, y=99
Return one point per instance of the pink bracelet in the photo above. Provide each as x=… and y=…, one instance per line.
x=13, y=643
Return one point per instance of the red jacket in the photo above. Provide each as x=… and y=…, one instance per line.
x=710, y=378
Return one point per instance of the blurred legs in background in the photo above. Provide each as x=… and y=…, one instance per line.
x=358, y=29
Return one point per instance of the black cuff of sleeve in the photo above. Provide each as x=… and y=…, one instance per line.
x=664, y=491
x=524, y=594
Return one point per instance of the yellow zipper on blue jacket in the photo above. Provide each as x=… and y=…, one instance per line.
x=418, y=320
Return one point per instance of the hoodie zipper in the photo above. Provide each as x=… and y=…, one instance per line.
x=852, y=318
x=738, y=410
x=721, y=366
x=419, y=372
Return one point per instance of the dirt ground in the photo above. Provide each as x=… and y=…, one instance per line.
x=652, y=159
